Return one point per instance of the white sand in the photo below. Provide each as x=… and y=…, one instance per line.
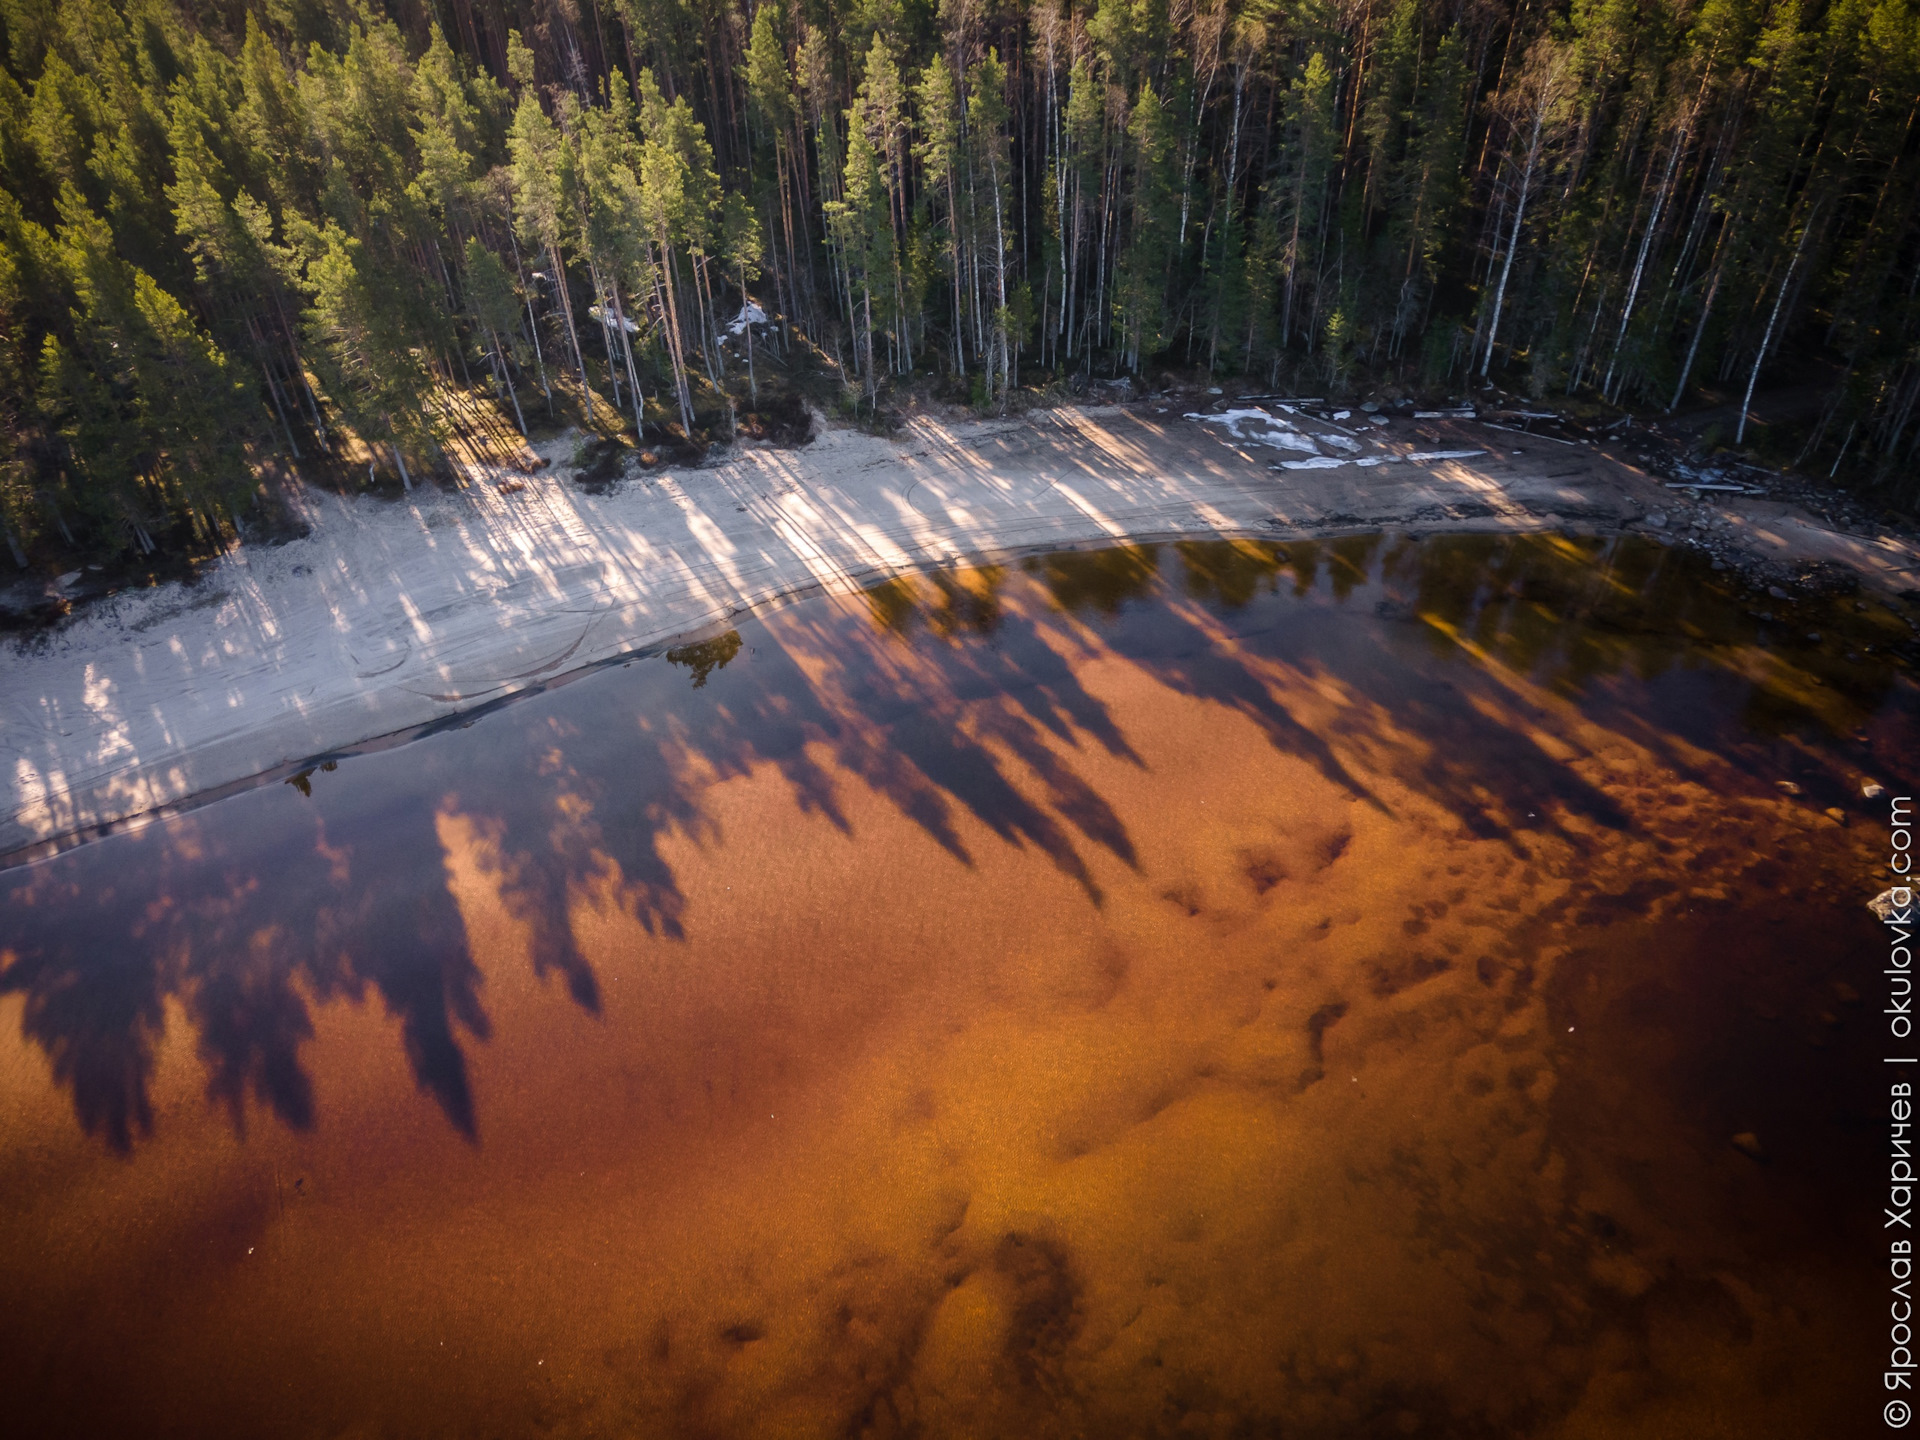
x=392, y=614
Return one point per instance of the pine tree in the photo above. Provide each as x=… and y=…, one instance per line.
x=940, y=155
x=779, y=148
x=540, y=210
x=1299, y=196
x=1142, y=289
x=1539, y=112
x=990, y=170
x=369, y=364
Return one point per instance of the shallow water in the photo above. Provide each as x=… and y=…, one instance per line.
x=1218, y=989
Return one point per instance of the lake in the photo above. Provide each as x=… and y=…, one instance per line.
x=1218, y=989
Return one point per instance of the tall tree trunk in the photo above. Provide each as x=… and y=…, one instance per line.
x=505, y=378
x=533, y=324
x=573, y=334
x=1766, y=339
x=664, y=287
x=1693, y=346
x=1640, y=260
x=626, y=351
x=1513, y=242
x=746, y=306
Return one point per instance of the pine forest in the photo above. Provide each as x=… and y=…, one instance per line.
x=243, y=237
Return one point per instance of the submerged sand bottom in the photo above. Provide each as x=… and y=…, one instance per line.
x=1283, y=1101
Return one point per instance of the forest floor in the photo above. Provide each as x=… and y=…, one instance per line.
x=393, y=614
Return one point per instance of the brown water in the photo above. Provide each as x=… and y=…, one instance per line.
x=1216, y=990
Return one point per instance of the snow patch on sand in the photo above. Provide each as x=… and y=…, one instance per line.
x=1260, y=427
x=750, y=314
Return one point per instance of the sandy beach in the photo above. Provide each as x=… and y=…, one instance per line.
x=391, y=614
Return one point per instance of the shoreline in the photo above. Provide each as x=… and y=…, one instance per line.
x=393, y=618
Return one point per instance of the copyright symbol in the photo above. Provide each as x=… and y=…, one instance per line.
x=1897, y=1413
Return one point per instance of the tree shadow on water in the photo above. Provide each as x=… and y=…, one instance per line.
x=248, y=914
x=1649, y=643
x=1465, y=641
x=243, y=926
x=959, y=698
